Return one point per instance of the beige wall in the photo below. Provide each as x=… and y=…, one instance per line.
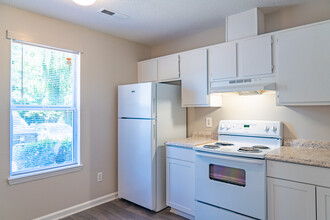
x=206, y=38
x=317, y=10
x=300, y=122
x=107, y=61
x=292, y=16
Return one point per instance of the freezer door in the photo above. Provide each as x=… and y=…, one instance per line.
x=137, y=100
x=136, y=161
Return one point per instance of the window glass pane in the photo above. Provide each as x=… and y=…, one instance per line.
x=41, y=76
x=43, y=111
x=16, y=71
x=41, y=139
x=227, y=174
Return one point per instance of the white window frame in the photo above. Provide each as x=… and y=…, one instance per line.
x=20, y=177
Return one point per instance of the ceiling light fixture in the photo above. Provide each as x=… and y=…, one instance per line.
x=84, y=2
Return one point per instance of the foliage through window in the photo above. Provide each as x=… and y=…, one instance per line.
x=44, y=113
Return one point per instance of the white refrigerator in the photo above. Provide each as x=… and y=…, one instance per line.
x=148, y=115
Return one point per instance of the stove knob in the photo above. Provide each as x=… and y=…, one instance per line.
x=222, y=126
x=228, y=127
x=266, y=128
x=274, y=128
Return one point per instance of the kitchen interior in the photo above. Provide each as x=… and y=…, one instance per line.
x=209, y=102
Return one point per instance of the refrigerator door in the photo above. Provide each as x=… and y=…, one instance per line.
x=136, y=161
x=136, y=100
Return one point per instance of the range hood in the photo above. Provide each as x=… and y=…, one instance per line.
x=249, y=60
x=244, y=86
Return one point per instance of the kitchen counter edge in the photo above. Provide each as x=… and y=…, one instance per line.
x=301, y=155
x=190, y=142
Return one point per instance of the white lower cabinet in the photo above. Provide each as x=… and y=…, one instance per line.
x=290, y=200
x=297, y=192
x=323, y=203
x=180, y=180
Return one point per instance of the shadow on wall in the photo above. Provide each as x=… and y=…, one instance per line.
x=288, y=130
x=301, y=122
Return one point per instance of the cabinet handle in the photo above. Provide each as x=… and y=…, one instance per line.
x=272, y=45
x=179, y=63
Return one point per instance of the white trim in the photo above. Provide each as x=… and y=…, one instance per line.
x=43, y=174
x=36, y=173
x=41, y=107
x=21, y=38
x=80, y=207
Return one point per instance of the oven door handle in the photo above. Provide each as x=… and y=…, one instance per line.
x=236, y=159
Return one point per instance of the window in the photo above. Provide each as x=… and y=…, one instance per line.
x=44, y=109
x=227, y=174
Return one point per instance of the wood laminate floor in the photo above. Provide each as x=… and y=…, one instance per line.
x=120, y=209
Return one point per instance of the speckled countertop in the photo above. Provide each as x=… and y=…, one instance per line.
x=190, y=142
x=306, y=152
x=313, y=153
x=197, y=138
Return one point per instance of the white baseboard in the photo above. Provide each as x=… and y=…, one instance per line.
x=80, y=207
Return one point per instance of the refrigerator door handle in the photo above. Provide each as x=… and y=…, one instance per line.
x=154, y=130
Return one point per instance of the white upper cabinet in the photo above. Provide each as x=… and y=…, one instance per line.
x=298, y=59
x=194, y=80
x=147, y=71
x=304, y=65
x=245, y=24
x=169, y=67
x=159, y=69
x=222, y=61
x=194, y=77
x=243, y=59
x=255, y=56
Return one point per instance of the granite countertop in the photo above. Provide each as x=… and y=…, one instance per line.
x=198, y=138
x=190, y=142
x=311, y=153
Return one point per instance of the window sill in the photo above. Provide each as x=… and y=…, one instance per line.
x=43, y=174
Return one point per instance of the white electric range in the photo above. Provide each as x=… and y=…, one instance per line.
x=231, y=173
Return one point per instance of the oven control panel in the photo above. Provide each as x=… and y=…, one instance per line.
x=251, y=128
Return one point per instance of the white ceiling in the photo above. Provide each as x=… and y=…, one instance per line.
x=150, y=22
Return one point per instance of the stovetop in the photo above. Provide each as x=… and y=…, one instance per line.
x=252, y=150
x=246, y=138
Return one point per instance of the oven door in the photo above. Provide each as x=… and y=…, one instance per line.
x=237, y=184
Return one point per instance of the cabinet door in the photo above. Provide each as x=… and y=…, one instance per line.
x=168, y=68
x=194, y=78
x=303, y=65
x=180, y=185
x=222, y=61
x=290, y=200
x=147, y=71
x=255, y=56
x=323, y=203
